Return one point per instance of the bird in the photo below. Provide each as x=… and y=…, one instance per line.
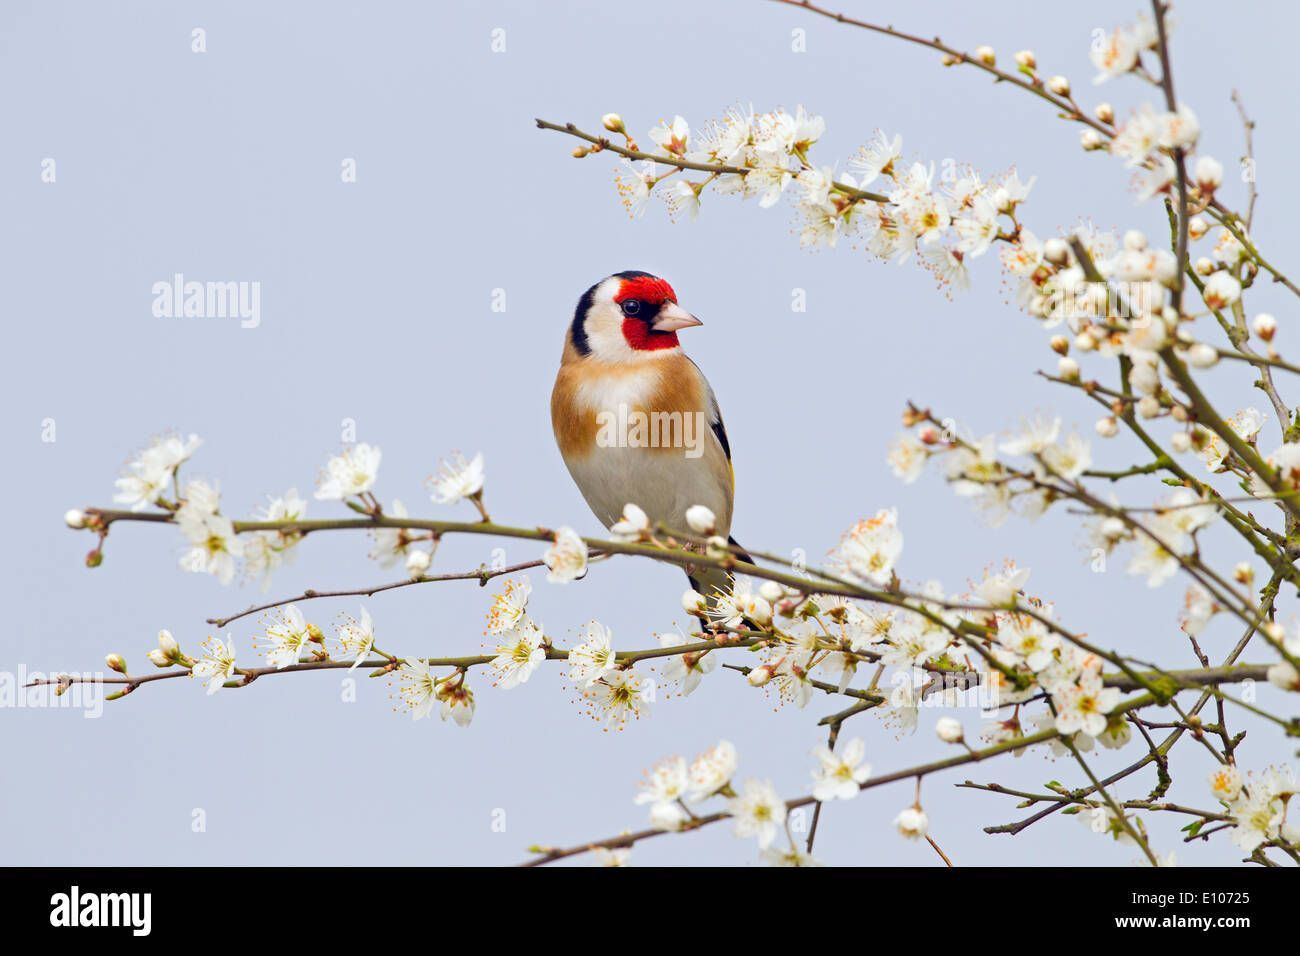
x=635, y=419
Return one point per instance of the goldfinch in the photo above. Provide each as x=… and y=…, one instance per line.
x=635, y=419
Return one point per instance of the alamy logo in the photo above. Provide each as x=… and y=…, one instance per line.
x=102, y=909
x=208, y=300
x=72, y=689
x=640, y=429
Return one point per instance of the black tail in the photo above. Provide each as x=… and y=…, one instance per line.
x=743, y=555
x=710, y=581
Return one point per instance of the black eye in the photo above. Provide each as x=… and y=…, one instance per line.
x=631, y=306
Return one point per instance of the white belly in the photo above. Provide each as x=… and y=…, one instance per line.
x=663, y=483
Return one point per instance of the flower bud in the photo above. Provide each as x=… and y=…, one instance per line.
x=717, y=547
x=668, y=817
x=912, y=823
x=116, y=662
x=701, y=519
x=1265, y=326
x=1060, y=344
x=1059, y=85
x=580, y=151
x=949, y=730
x=1244, y=574
x=1165, y=270
x=693, y=602
x=94, y=558
x=1283, y=675
x=1107, y=427
x=771, y=592
x=168, y=645
x=158, y=658
x=1180, y=441
x=1056, y=251
x=1197, y=227
x=417, y=562
x=1134, y=240
x=1149, y=406
x=761, y=675
x=1201, y=355
x=1204, y=266
x=1091, y=139
x=787, y=606
x=985, y=55
x=1179, y=413
x=1104, y=113
x=1208, y=173
x=1067, y=368
x=613, y=122
x=1084, y=342
x=74, y=518
x=1221, y=290
x=1026, y=59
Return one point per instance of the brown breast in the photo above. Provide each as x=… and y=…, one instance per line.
x=585, y=387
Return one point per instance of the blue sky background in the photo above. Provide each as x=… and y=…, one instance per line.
x=376, y=307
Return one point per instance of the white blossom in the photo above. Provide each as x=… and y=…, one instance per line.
x=351, y=473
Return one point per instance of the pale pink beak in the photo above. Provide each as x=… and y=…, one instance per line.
x=673, y=317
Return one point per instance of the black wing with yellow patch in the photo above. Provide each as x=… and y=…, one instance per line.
x=721, y=432
x=715, y=423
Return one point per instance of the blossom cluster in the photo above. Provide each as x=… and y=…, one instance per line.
x=1259, y=804
x=1160, y=538
x=945, y=218
x=613, y=691
x=675, y=789
x=215, y=545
